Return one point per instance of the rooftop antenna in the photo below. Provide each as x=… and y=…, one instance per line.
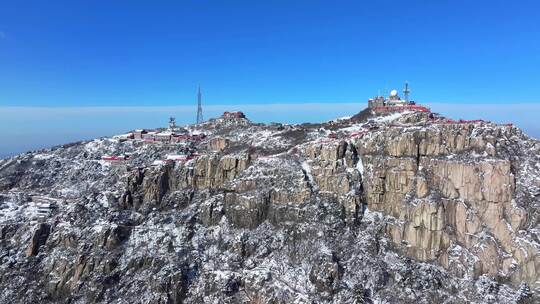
x=199, y=107
x=406, y=91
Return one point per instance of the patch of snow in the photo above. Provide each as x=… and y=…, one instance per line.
x=360, y=166
x=103, y=201
x=43, y=156
x=158, y=163
x=354, y=128
x=307, y=170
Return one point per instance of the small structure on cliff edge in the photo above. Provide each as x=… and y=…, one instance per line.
x=394, y=103
x=234, y=114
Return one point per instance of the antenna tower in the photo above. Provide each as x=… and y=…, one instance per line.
x=172, y=123
x=199, y=107
x=406, y=91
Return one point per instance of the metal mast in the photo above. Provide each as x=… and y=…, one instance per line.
x=172, y=123
x=199, y=107
x=406, y=91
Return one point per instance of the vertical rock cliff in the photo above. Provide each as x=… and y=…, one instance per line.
x=398, y=208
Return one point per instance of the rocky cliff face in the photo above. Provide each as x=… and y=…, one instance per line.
x=452, y=194
x=400, y=208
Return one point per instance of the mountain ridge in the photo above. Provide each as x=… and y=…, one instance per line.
x=406, y=207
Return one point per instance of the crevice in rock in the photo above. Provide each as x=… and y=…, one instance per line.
x=417, y=155
x=163, y=184
x=39, y=238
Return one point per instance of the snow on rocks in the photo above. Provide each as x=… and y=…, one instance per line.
x=291, y=226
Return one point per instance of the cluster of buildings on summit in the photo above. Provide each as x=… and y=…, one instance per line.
x=379, y=104
x=175, y=134
x=394, y=103
x=179, y=135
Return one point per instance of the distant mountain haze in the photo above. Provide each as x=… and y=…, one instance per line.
x=33, y=128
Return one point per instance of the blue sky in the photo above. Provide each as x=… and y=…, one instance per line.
x=156, y=53
x=73, y=53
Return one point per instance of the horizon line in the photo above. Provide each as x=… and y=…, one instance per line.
x=220, y=105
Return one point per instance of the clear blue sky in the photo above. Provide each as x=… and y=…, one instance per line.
x=70, y=53
x=84, y=55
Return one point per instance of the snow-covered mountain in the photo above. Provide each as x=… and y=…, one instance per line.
x=400, y=208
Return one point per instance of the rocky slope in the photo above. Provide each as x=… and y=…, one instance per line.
x=403, y=208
